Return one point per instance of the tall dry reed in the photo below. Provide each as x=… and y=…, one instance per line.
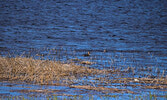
x=41, y=71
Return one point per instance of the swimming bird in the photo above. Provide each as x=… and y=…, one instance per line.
x=87, y=54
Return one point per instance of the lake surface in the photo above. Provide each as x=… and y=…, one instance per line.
x=118, y=33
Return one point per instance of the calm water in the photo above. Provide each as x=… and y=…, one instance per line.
x=133, y=32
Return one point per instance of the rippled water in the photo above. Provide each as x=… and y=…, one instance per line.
x=133, y=32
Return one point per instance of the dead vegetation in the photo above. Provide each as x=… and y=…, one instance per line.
x=103, y=89
x=37, y=91
x=46, y=72
x=159, y=81
x=41, y=71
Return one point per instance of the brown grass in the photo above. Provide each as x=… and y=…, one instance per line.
x=104, y=89
x=48, y=72
x=38, y=91
x=41, y=71
x=158, y=81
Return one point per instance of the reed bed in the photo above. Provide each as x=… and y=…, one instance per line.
x=41, y=71
x=47, y=72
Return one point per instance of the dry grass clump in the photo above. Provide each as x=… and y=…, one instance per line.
x=159, y=81
x=146, y=83
x=37, y=91
x=104, y=89
x=48, y=72
x=41, y=71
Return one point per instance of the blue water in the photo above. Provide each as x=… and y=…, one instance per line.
x=133, y=32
